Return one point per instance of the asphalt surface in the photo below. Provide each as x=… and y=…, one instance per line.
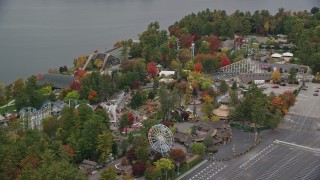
x=270, y=160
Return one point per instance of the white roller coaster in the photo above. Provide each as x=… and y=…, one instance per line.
x=243, y=66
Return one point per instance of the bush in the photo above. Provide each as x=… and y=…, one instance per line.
x=138, y=169
x=151, y=95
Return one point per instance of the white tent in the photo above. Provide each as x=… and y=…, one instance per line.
x=276, y=55
x=287, y=54
x=1, y=118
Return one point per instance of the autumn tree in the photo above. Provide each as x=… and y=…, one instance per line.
x=207, y=106
x=225, y=61
x=152, y=173
x=18, y=87
x=208, y=62
x=177, y=155
x=276, y=75
x=198, y=67
x=138, y=169
x=185, y=55
x=215, y=44
x=152, y=68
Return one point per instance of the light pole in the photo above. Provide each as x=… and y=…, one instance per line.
x=178, y=165
x=192, y=51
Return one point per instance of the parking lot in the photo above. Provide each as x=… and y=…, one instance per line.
x=268, y=88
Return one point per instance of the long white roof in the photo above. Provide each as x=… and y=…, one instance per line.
x=287, y=54
x=276, y=55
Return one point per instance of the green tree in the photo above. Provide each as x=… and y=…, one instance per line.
x=72, y=95
x=60, y=170
x=234, y=86
x=152, y=173
x=104, y=145
x=293, y=74
x=138, y=99
x=168, y=101
x=141, y=148
x=208, y=141
x=108, y=174
x=165, y=165
x=89, y=137
x=223, y=88
x=198, y=148
x=124, y=121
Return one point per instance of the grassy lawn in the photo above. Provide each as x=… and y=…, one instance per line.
x=7, y=109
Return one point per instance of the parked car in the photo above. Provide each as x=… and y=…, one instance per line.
x=304, y=89
x=283, y=84
x=276, y=87
x=317, y=90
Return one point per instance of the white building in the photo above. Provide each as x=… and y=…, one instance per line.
x=166, y=73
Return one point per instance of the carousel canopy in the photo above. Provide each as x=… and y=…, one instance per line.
x=222, y=111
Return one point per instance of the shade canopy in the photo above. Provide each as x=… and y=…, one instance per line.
x=287, y=54
x=276, y=55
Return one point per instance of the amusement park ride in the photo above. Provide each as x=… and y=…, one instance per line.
x=160, y=138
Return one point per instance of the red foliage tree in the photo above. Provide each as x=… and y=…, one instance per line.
x=33, y=161
x=198, y=67
x=157, y=156
x=131, y=154
x=136, y=84
x=152, y=68
x=131, y=119
x=174, y=31
x=215, y=44
x=225, y=61
x=80, y=73
x=39, y=76
x=138, y=169
x=186, y=40
x=177, y=155
x=75, y=85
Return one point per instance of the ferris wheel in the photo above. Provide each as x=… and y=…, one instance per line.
x=160, y=138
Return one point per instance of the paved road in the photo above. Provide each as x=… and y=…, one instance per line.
x=271, y=160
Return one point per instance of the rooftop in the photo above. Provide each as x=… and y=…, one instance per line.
x=58, y=81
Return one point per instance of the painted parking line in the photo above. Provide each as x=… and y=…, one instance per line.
x=210, y=171
x=258, y=156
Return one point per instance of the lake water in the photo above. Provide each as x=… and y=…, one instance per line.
x=36, y=35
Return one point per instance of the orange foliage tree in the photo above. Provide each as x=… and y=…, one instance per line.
x=278, y=104
x=80, y=61
x=198, y=67
x=276, y=75
x=177, y=155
